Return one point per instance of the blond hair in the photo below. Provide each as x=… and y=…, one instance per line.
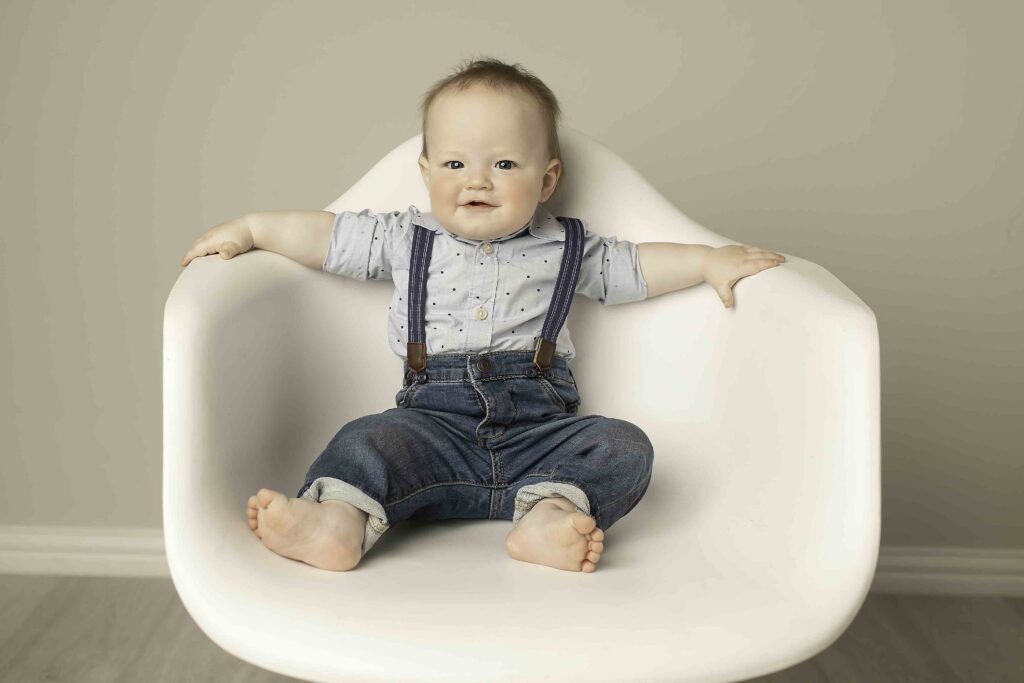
x=496, y=74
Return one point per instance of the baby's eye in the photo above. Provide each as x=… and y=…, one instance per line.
x=503, y=161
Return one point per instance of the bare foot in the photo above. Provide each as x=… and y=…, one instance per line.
x=556, y=534
x=328, y=535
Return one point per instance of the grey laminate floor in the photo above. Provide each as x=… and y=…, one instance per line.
x=84, y=629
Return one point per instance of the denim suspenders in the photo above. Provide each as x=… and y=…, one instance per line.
x=558, y=309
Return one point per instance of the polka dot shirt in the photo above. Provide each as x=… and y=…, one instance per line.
x=482, y=295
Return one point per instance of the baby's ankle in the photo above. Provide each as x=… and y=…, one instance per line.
x=344, y=505
x=559, y=501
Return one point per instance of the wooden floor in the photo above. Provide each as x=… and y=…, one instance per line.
x=84, y=629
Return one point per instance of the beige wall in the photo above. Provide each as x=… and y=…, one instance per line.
x=880, y=140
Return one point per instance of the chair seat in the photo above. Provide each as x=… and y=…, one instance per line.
x=752, y=550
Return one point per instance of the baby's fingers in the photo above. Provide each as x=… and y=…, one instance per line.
x=227, y=249
x=758, y=264
x=758, y=252
x=195, y=252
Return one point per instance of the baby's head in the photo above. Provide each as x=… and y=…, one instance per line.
x=490, y=133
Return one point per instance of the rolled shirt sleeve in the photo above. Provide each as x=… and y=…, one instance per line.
x=611, y=270
x=361, y=244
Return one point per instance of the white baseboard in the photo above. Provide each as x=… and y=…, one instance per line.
x=113, y=552
x=82, y=551
x=949, y=571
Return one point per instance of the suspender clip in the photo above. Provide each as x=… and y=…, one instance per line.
x=416, y=354
x=544, y=354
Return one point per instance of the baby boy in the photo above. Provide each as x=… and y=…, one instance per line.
x=487, y=424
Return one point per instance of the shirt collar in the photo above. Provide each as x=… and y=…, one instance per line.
x=543, y=225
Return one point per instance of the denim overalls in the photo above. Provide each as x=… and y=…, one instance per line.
x=484, y=436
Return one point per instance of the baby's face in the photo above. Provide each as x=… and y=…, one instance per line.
x=489, y=146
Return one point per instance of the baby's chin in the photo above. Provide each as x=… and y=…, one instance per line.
x=481, y=231
x=470, y=225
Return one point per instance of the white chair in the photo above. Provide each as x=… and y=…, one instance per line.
x=752, y=550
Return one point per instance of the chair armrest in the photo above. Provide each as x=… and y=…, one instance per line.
x=260, y=369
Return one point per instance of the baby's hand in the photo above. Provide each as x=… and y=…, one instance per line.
x=228, y=239
x=725, y=265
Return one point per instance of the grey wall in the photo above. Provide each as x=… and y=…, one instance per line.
x=880, y=140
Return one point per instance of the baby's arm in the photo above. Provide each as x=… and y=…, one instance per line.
x=667, y=266
x=302, y=236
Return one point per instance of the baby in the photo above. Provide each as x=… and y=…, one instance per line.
x=487, y=423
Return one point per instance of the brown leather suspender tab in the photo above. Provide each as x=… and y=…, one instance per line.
x=544, y=354
x=416, y=352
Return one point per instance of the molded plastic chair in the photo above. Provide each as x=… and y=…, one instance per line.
x=752, y=550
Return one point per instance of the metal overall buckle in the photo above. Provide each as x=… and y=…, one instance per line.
x=413, y=376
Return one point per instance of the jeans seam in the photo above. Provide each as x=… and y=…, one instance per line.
x=553, y=394
x=493, y=378
x=500, y=477
x=411, y=391
x=487, y=413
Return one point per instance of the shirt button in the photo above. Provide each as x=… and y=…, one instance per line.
x=481, y=313
x=488, y=248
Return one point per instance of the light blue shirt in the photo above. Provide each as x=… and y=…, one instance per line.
x=482, y=295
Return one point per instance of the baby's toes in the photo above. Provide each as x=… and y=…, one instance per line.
x=252, y=512
x=596, y=546
x=267, y=497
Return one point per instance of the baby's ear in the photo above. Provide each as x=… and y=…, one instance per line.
x=424, y=168
x=551, y=176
